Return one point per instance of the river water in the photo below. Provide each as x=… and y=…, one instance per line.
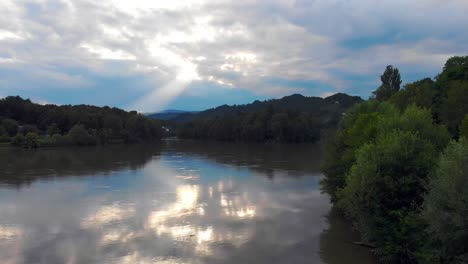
x=173, y=202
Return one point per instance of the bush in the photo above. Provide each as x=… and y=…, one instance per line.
x=78, y=135
x=376, y=170
x=18, y=140
x=384, y=190
x=54, y=140
x=31, y=140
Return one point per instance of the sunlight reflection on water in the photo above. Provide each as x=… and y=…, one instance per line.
x=178, y=204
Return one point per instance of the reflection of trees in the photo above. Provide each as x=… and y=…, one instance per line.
x=21, y=166
x=336, y=245
x=264, y=158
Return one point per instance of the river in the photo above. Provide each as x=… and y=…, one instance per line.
x=173, y=202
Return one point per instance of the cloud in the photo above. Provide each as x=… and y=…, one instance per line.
x=173, y=46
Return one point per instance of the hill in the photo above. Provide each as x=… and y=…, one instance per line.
x=332, y=106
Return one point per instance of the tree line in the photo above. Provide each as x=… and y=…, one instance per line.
x=294, y=118
x=24, y=123
x=398, y=167
x=264, y=125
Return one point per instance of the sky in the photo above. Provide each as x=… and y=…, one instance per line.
x=150, y=55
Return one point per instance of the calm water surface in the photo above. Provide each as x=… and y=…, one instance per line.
x=175, y=202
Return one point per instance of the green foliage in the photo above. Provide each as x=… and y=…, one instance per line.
x=78, y=135
x=327, y=109
x=451, y=101
x=376, y=169
x=384, y=189
x=380, y=162
x=391, y=82
x=420, y=93
x=447, y=97
x=455, y=105
x=54, y=140
x=53, y=129
x=268, y=124
x=25, y=129
x=419, y=121
x=464, y=127
x=446, y=205
x=31, y=140
x=18, y=140
x=103, y=124
x=10, y=126
x=4, y=138
x=455, y=69
x=357, y=127
x=294, y=118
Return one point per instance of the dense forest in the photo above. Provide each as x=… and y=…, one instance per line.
x=398, y=167
x=27, y=124
x=294, y=118
x=170, y=114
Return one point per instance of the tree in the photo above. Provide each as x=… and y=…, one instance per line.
x=420, y=93
x=376, y=170
x=391, y=82
x=3, y=132
x=28, y=128
x=30, y=140
x=451, y=101
x=3, y=135
x=464, y=127
x=455, y=105
x=10, y=126
x=384, y=190
x=380, y=167
x=446, y=205
x=80, y=136
x=455, y=69
x=358, y=126
x=18, y=140
x=102, y=122
x=53, y=129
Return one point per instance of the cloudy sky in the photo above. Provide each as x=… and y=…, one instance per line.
x=151, y=55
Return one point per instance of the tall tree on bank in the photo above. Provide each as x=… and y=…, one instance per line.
x=391, y=82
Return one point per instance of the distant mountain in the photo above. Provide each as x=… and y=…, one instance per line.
x=325, y=108
x=169, y=114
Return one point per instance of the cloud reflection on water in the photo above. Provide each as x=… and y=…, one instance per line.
x=179, y=208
